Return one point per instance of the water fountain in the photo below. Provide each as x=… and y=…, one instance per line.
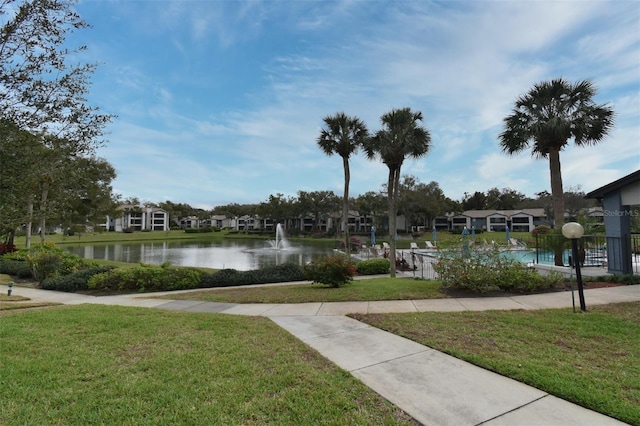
x=281, y=242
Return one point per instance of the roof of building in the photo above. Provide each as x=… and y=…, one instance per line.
x=481, y=214
x=615, y=185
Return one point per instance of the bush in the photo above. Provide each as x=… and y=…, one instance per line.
x=332, y=271
x=19, y=268
x=7, y=248
x=485, y=270
x=273, y=274
x=46, y=260
x=628, y=279
x=49, y=261
x=145, y=278
x=373, y=267
x=73, y=282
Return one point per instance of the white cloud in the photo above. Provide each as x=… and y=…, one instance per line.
x=462, y=64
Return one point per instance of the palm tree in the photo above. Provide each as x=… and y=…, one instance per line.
x=401, y=136
x=545, y=118
x=343, y=135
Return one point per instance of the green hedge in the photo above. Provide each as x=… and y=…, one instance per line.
x=146, y=278
x=19, y=268
x=73, y=282
x=373, y=267
x=272, y=274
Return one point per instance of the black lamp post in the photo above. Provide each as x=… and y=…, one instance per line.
x=574, y=231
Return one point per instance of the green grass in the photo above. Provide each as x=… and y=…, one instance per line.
x=590, y=359
x=8, y=303
x=122, y=237
x=92, y=364
x=358, y=290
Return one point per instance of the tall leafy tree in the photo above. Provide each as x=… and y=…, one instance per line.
x=371, y=204
x=546, y=118
x=504, y=199
x=319, y=204
x=85, y=197
x=277, y=208
x=343, y=135
x=576, y=203
x=43, y=87
x=401, y=136
x=477, y=201
x=18, y=176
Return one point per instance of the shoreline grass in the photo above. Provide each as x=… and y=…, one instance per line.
x=590, y=359
x=93, y=364
x=179, y=235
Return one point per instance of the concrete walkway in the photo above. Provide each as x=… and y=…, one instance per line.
x=434, y=388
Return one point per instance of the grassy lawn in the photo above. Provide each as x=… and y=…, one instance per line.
x=358, y=290
x=122, y=237
x=590, y=359
x=404, y=242
x=90, y=364
x=12, y=302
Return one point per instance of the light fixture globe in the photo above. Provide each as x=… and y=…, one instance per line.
x=572, y=230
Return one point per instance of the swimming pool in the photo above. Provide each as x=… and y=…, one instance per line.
x=545, y=257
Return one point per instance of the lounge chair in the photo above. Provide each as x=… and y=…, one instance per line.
x=515, y=243
x=429, y=245
x=385, y=246
x=414, y=246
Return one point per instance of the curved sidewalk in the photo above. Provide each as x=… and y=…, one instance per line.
x=432, y=387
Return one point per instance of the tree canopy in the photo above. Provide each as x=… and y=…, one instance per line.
x=547, y=117
x=343, y=135
x=41, y=90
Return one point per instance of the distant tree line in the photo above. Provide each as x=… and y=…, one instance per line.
x=419, y=202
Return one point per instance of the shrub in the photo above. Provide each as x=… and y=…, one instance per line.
x=7, y=248
x=628, y=279
x=146, y=278
x=272, y=274
x=46, y=260
x=485, y=270
x=19, y=268
x=49, y=261
x=332, y=271
x=73, y=282
x=373, y=267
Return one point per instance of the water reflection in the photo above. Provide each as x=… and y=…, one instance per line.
x=242, y=255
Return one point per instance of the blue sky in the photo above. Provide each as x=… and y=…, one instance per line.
x=221, y=102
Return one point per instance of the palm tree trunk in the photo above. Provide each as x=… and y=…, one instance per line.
x=557, y=196
x=345, y=205
x=392, y=187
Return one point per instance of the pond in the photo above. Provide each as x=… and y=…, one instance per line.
x=242, y=255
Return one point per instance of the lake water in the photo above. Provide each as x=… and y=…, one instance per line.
x=242, y=255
